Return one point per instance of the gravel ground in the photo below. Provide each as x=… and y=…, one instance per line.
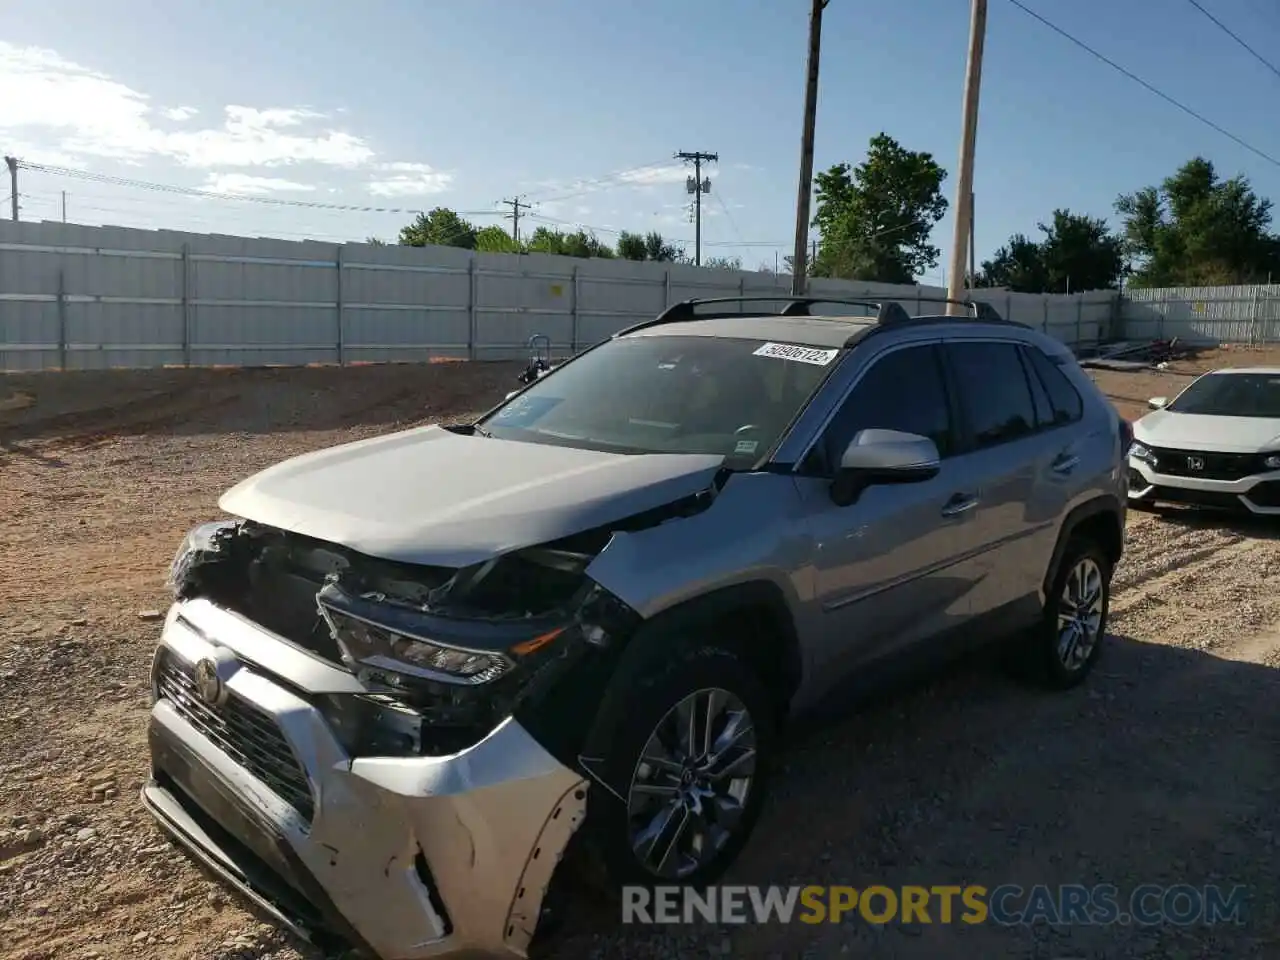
x=1161, y=770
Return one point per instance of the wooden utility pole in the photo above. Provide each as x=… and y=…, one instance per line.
x=514, y=216
x=973, y=247
x=799, y=266
x=968, y=141
x=12, y=164
x=697, y=186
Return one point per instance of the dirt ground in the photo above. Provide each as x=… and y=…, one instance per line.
x=1163, y=769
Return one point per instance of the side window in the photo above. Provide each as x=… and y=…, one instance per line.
x=994, y=391
x=903, y=390
x=1045, y=417
x=1063, y=397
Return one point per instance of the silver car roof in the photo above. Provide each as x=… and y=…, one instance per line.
x=808, y=331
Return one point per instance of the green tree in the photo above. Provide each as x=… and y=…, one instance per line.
x=1017, y=266
x=1198, y=229
x=1076, y=252
x=631, y=246
x=441, y=227
x=1080, y=253
x=875, y=219
x=494, y=239
x=659, y=249
x=579, y=243
x=723, y=263
x=651, y=246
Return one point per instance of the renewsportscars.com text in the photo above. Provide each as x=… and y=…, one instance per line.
x=1007, y=904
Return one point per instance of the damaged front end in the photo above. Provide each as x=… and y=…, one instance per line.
x=455, y=703
x=445, y=655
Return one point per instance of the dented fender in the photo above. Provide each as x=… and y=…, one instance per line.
x=745, y=535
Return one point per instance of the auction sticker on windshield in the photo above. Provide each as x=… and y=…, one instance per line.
x=791, y=351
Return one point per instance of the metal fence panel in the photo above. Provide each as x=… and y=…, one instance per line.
x=76, y=297
x=1236, y=314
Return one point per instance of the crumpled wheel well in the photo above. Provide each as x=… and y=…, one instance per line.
x=751, y=619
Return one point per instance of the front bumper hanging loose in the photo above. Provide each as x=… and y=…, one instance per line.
x=403, y=857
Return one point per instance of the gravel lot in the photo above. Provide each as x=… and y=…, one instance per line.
x=1163, y=769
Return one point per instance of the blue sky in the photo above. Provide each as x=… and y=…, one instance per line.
x=579, y=105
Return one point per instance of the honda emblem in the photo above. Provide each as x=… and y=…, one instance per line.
x=1195, y=463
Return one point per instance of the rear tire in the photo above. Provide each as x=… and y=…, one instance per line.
x=678, y=802
x=1065, y=645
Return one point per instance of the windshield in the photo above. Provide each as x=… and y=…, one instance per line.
x=657, y=394
x=1231, y=395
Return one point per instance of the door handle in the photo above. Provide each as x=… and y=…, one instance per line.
x=1065, y=463
x=959, y=504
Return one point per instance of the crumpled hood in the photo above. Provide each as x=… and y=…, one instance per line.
x=1192, y=431
x=431, y=496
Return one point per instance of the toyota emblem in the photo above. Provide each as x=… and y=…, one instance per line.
x=1195, y=463
x=209, y=684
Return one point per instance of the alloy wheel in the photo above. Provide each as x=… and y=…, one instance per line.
x=1080, y=614
x=691, y=783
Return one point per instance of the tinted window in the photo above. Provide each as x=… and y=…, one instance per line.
x=993, y=391
x=1227, y=394
x=669, y=394
x=1045, y=415
x=1066, y=402
x=901, y=391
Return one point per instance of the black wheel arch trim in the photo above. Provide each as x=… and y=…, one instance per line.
x=656, y=636
x=1078, y=517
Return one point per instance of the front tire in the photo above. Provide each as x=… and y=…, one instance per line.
x=684, y=779
x=1068, y=641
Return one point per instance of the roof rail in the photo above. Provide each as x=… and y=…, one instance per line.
x=885, y=311
x=979, y=309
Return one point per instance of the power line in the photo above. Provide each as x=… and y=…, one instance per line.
x=732, y=223
x=110, y=180
x=1234, y=36
x=1143, y=83
x=619, y=178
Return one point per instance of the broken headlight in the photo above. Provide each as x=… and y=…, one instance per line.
x=207, y=543
x=394, y=644
x=380, y=648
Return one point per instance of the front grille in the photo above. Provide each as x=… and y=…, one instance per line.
x=1210, y=466
x=240, y=730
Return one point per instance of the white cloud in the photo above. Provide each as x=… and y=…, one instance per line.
x=179, y=113
x=82, y=112
x=33, y=153
x=653, y=176
x=409, y=180
x=401, y=166
x=247, y=185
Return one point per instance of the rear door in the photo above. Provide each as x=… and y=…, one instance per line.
x=1016, y=460
x=890, y=569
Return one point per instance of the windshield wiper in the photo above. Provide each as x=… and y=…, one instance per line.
x=480, y=431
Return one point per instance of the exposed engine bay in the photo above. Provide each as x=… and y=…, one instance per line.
x=445, y=654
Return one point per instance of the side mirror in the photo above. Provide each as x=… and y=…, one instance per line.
x=1158, y=403
x=883, y=456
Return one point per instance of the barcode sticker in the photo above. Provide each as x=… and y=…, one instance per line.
x=791, y=351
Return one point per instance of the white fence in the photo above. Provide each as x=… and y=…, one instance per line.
x=77, y=297
x=1247, y=314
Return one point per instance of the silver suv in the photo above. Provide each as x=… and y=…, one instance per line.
x=389, y=695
